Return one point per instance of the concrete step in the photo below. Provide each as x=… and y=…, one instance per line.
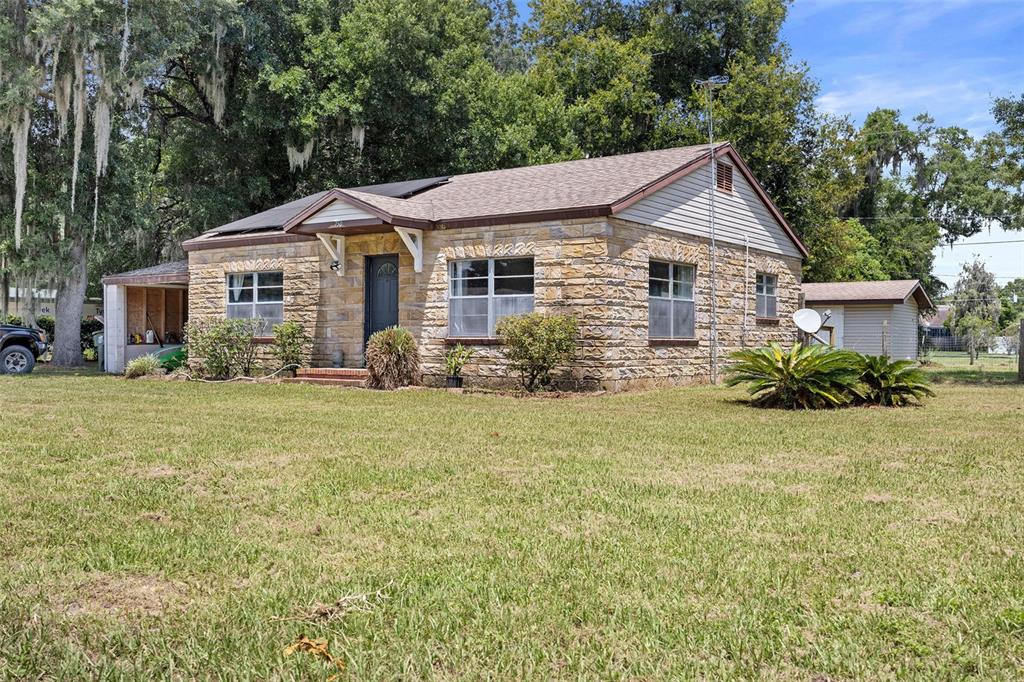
x=327, y=381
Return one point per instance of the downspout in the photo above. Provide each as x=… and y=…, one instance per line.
x=746, y=287
x=714, y=250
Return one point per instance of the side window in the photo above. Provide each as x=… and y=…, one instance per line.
x=670, y=301
x=767, y=300
x=257, y=295
x=481, y=292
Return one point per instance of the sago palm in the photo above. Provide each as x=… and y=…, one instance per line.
x=893, y=384
x=803, y=377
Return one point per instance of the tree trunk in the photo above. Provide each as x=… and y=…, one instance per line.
x=67, y=342
x=5, y=294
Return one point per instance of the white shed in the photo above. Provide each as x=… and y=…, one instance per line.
x=875, y=318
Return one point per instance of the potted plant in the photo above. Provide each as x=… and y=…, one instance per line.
x=454, y=361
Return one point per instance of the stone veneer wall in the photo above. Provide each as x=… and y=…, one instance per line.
x=299, y=261
x=594, y=268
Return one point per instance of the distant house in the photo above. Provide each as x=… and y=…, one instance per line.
x=39, y=302
x=875, y=318
x=937, y=334
x=621, y=242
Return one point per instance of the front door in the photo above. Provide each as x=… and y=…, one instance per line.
x=381, y=293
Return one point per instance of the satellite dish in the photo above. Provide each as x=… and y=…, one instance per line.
x=807, y=320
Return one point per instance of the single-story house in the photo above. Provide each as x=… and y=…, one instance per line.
x=875, y=318
x=621, y=242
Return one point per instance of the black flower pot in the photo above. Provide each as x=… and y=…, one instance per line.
x=453, y=382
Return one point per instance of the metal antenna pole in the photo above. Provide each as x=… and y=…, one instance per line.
x=709, y=85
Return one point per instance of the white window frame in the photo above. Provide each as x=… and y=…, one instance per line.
x=490, y=295
x=766, y=287
x=672, y=296
x=256, y=288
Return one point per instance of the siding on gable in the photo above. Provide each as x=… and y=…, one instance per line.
x=338, y=211
x=683, y=207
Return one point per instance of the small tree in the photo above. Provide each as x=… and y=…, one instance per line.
x=290, y=341
x=976, y=333
x=536, y=344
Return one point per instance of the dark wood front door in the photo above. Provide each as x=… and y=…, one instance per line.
x=381, y=293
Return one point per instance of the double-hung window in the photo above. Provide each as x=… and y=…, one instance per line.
x=481, y=292
x=257, y=295
x=670, y=301
x=767, y=300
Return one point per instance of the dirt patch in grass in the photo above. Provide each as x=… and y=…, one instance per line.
x=159, y=471
x=142, y=595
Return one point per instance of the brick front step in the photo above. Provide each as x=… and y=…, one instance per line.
x=326, y=381
x=332, y=373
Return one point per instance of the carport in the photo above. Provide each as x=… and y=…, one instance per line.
x=144, y=311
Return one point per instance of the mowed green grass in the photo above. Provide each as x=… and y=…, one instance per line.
x=157, y=529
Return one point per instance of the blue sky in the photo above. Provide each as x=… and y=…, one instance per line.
x=945, y=57
x=948, y=58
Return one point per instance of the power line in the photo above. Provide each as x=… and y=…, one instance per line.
x=998, y=241
x=1006, y=216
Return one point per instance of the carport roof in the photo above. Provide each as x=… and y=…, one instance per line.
x=174, y=272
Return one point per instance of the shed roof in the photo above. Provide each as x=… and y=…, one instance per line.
x=174, y=272
x=852, y=293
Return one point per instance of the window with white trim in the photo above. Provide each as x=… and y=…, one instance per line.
x=481, y=292
x=256, y=295
x=767, y=299
x=670, y=301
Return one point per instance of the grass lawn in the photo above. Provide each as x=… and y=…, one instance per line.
x=176, y=530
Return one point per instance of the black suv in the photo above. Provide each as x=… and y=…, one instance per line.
x=19, y=348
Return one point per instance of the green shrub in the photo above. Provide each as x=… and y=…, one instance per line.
x=142, y=366
x=892, y=383
x=223, y=348
x=535, y=344
x=392, y=359
x=804, y=377
x=456, y=359
x=13, y=319
x=89, y=354
x=89, y=326
x=47, y=324
x=290, y=341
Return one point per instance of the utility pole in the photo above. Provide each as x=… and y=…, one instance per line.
x=709, y=85
x=1020, y=354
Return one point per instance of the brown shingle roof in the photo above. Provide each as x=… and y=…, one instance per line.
x=585, y=187
x=175, y=272
x=887, y=291
x=550, y=187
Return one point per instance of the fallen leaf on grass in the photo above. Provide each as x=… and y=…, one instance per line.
x=317, y=648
